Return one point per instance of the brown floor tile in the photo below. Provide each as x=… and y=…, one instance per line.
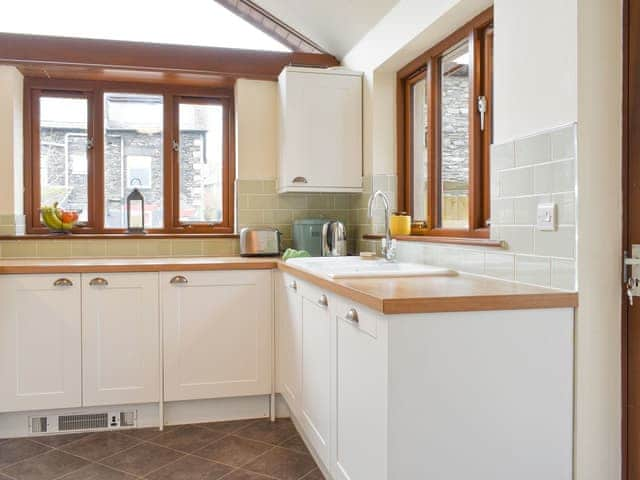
x=57, y=441
x=282, y=464
x=142, y=459
x=18, y=449
x=230, y=426
x=51, y=465
x=314, y=475
x=95, y=471
x=100, y=445
x=187, y=438
x=269, y=432
x=143, y=433
x=295, y=443
x=241, y=474
x=232, y=450
x=191, y=468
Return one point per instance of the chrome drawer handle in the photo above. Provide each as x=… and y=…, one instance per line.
x=63, y=282
x=179, y=280
x=323, y=300
x=352, y=315
x=98, y=282
x=300, y=180
x=293, y=286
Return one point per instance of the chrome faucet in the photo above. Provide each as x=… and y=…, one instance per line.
x=388, y=244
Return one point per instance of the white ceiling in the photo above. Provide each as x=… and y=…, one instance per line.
x=335, y=25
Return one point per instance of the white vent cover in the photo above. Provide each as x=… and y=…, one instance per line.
x=79, y=422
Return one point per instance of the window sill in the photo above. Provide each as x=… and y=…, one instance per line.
x=478, y=242
x=116, y=236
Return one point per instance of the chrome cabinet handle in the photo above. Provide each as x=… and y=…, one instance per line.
x=179, y=280
x=63, y=282
x=352, y=315
x=323, y=300
x=98, y=282
x=300, y=180
x=293, y=286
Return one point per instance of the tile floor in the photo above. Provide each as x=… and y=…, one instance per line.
x=237, y=450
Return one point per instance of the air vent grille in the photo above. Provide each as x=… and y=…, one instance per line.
x=38, y=424
x=83, y=422
x=127, y=419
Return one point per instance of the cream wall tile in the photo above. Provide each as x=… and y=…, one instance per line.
x=525, y=209
x=531, y=150
x=54, y=248
x=566, y=207
x=561, y=243
x=502, y=211
x=154, y=247
x=543, y=178
x=518, y=238
x=535, y=270
x=217, y=247
x=500, y=265
x=563, y=143
x=502, y=156
x=319, y=202
x=563, y=274
x=250, y=217
x=518, y=181
x=564, y=176
x=264, y=202
x=186, y=248
x=88, y=248
x=19, y=248
x=122, y=248
x=292, y=202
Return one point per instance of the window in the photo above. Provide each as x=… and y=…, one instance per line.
x=91, y=143
x=445, y=121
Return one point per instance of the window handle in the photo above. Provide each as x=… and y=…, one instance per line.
x=90, y=143
x=482, y=108
x=175, y=145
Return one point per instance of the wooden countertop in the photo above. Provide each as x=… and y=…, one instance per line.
x=458, y=293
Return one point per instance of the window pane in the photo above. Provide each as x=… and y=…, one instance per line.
x=133, y=156
x=419, y=150
x=63, y=153
x=201, y=155
x=454, y=171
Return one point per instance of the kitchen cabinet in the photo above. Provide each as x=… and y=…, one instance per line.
x=121, y=338
x=317, y=388
x=217, y=333
x=40, y=331
x=289, y=340
x=320, y=130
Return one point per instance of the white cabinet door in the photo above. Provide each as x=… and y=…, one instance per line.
x=121, y=338
x=40, y=330
x=361, y=394
x=317, y=388
x=320, y=130
x=217, y=334
x=289, y=340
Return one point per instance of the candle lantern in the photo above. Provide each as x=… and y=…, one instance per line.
x=135, y=212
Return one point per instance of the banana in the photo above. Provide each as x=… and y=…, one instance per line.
x=58, y=211
x=50, y=219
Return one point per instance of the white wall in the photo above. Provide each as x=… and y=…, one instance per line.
x=11, y=200
x=535, y=66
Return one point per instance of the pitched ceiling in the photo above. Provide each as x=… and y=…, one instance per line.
x=335, y=25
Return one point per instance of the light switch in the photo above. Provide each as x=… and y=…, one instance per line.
x=546, y=218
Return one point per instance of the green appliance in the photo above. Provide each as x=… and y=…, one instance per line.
x=307, y=235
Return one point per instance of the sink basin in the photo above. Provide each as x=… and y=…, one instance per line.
x=355, y=267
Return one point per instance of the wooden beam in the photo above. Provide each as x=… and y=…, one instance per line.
x=18, y=49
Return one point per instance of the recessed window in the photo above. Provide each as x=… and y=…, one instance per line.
x=92, y=143
x=447, y=130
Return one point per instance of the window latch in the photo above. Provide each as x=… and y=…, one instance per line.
x=176, y=146
x=90, y=143
x=482, y=108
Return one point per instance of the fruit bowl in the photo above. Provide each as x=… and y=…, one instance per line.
x=58, y=220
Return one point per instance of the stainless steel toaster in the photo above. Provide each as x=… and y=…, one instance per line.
x=259, y=242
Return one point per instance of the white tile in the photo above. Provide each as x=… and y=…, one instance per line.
x=563, y=143
x=563, y=274
x=560, y=243
x=502, y=156
x=410, y=252
x=518, y=238
x=500, y=265
x=472, y=261
x=515, y=182
x=532, y=150
x=525, y=208
x=566, y=203
x=564, y=176
x=536, y=270
x=543, y=178
x=502, y=211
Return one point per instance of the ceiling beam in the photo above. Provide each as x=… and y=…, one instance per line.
x=18, y=49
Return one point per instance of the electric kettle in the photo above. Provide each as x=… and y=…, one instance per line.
x=334, y=239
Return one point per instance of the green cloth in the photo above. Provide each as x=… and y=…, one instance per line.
x=291, y=253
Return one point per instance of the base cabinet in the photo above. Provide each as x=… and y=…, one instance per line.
x=216, y=334
x=121, y=338
x=40, y=352
x=289, y=340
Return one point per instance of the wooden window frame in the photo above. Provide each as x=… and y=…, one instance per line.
x=34, y=88
x=479, y=33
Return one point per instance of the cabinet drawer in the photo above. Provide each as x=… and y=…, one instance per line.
x=360, y=316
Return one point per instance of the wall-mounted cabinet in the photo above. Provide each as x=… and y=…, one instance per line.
x=320, y=130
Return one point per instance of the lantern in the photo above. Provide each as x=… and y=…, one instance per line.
x=135, y=212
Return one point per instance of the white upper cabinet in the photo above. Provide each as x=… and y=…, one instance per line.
x=217, y=334
x=121, y=338
x=40, y=328
x=320, y=137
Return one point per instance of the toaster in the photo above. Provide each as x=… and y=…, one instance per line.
x=259, y=242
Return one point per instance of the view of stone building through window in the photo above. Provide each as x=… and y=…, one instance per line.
x=455, y=88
